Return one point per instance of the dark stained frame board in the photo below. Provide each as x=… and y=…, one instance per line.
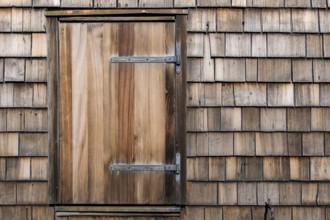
x=53, y=94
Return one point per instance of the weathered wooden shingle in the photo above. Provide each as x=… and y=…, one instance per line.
x=105, y=3
x=194, y=68
x=191, y=212
x=212, y=94
x=185, y=3
x=7, y=193
x=280, y=94
x=127, y=3
x=202, y=144
x=36, y=120
x=217, y=168
x=227, y=94
x=325, y=94
x=250, y=119
x=6, y=95
x=327, y=144
x=282, y=45
x=305, y=20
x=230, y=70
x=227, y=194
x=320, y=168
x=42, y=212
x=156, y=4
x=34, y=20
x=213, y=119
x=323, y=193
x=276, y=168
x=23, y=95
x=319, y=3
x=39, y=95
x=3, y=119
x=207, y=73
x=195, y=45
x=244, y=168
x=276, y=20
x=17, y=20
x=274, y=70
x=259, y=45
x=17, y=3
x=302, y=71
x=202, y=193
x=32, y=193
x=39, y=169
x=273, y=119
x=249, y=94
x=2, y=168
x=197, y=169
x=308, y=213
x=271, y=144
x=251, y=70
x=244, y=144
x=76, y=3
x=298, y=3
x=39, y=45
x=247, y=194
x=1, y=69
x=321, y=70
x=195, y=94
x=213, y=3
x=221, y=144
x=217, y=43
x=36, y=70
x=213, y=213
x=230, y=20
x=197, y=119
x=290, y=193
x=15, y=120
x=320, y=119
x=299, y=168
x=313, y=144
x=307, y=94
x=18, y=169
x=15, y=45
x=299, y=119
x=14, y=70
x=8, y=144
x=15, y=212
x=309, y=193
x=238, y=45
x=252, y=20
x=326, y=45
x=47, y=3
x=268, y=192
x=269, y=3
x=33, y=144
x=324, y=21
x=237, y=213
x=202, y=20
x=230, y=119
x=314, y=45
x=5, y=20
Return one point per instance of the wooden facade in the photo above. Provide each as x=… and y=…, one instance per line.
x=249, y=110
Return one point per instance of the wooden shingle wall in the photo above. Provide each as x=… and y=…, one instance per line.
x=258, y=107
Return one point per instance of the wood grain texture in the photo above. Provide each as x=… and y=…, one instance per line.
x=132, y=104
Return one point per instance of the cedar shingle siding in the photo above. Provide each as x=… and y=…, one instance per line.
x=258, y=107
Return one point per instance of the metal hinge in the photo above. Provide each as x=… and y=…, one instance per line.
x=152, y=59
x=150, y=167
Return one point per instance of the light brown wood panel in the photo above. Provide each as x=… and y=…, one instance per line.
x=116, y=112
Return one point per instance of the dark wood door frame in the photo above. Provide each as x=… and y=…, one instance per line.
x=53, y=91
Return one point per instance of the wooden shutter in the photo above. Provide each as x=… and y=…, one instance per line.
x=116, y=113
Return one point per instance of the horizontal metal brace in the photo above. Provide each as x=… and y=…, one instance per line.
x=136, y=59
x=136, y=167
x=176, y=168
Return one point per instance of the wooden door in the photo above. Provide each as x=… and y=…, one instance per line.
x=116, y=113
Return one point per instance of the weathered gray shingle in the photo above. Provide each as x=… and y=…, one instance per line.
x=249, y=94
x=276, y=20
x=283, y=45
x=305, y=20
x=238, y=45
x=230, y=20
